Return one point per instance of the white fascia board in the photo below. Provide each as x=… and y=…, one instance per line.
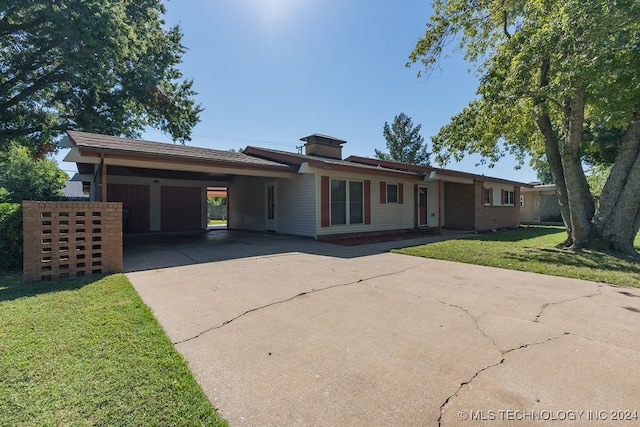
x=194, y=168
x=434, y=176
x=305, y=168
x=74, y=156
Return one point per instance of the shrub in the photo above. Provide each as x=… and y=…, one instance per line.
x=10, y=236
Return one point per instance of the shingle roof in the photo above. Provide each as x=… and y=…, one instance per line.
x=428, y=169
x=297, y=159
x=92, y=141
x=73, y=189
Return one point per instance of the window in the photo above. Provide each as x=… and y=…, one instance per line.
x=487, y=196
x=341, y=191
x=392, y=193
x=356, y=203
x=509, y=198
x=338, y=202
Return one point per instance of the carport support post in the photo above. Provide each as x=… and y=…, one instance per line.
x=103, y=182
x=440, y=206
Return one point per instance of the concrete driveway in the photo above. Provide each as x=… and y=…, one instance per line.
x=298, y=332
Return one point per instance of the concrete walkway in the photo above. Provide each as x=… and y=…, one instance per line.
x=297, y=332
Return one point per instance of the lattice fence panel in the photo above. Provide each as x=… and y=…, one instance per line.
x=69, y=239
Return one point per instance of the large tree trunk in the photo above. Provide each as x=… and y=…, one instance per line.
x=552, y=150
x=617, y=219
x=581, y=204
x=554, y=158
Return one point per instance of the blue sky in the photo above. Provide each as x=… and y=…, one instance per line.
x=269, y=72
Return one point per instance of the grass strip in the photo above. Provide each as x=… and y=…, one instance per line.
x=534, y=249
x=89, y=352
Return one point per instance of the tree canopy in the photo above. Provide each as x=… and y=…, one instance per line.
x=25, y=178
x=404, y=142
x=549, y=70
x=107, y=67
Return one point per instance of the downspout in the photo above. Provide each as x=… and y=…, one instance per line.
x=97, y=173
x=440, y=207
x=104, y=181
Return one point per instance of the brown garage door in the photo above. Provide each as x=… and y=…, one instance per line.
x=459, y=206
x=181, y=208
x=136, y=198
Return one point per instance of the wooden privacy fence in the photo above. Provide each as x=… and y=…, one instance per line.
x=69, y=239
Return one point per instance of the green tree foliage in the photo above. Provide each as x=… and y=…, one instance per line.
x=216, y=201
x=597, y=177
x=547, y=71
x=601, y=144
x=98, y=66
x=404, y=142
x=25, y=178
x=543, y=170
x=10, y=236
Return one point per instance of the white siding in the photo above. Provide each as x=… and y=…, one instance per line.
x=296, y=205
x=247, y=203
x=384, y=217
x=392, y=216
x=497, y=194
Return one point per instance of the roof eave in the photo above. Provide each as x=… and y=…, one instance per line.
x=96, y=152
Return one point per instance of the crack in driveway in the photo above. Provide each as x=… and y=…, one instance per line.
x=549, y=304
x=312, y=291
x=462, y=385
x=475, y=321
x=493, y=365
x=509, y=351
x=503, y=353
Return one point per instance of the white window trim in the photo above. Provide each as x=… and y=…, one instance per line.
x=397, y=193
x=347, y=203
x=511, y=198
x=487, y=192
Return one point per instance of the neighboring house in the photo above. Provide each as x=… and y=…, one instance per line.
x=74, y=190
x=468, y=201
x=217, y=211
x=539, y=203
x=316, y=194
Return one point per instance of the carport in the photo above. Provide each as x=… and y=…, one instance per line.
x=163, y=187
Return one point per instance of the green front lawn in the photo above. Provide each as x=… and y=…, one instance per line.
x=87, y=352
x=217, y=222
x=534, y=249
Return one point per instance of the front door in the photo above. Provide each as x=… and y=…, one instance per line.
x=271, y=206
x=422, y=206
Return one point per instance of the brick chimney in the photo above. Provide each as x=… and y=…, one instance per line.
x=323, y=146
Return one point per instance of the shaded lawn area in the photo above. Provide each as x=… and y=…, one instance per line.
x=88, y=352
x=534, y=249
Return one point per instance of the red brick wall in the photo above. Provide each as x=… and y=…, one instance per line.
x=494, y=217
x=69, y=239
